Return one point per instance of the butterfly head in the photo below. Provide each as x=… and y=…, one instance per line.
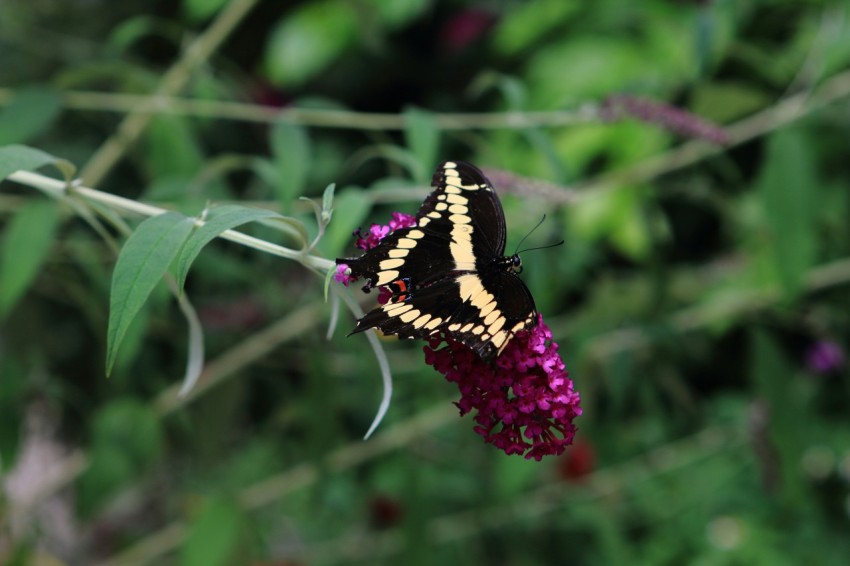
x=512, y=263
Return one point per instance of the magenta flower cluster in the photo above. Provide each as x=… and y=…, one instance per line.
x=376, y=233
x=525, y=401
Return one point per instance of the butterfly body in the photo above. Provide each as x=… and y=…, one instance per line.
x=448, y=274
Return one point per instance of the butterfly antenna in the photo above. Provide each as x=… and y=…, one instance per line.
x=539, y=247
x=530, y=232
x=556, y=244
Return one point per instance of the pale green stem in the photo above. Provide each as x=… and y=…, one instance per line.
x=319, y=118
x=59, y=188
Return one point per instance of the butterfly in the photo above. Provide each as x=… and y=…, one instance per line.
x=448, y=274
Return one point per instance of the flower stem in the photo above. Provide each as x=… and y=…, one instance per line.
x=60, y=188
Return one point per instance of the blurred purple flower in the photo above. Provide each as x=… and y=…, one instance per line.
x=578, y=462
x=525, y=400
x=674, y=119
x=825, y=357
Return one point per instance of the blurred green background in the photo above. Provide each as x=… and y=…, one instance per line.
x=700, y=302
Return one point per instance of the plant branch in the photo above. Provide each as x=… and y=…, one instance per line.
x=781, y=114
x=91, y=101
x=688, y=319
x=59, y=188
x=143, y=108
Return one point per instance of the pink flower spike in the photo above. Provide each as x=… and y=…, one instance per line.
x=377, y=232
x=402, y=220
x=342, y=274
x=525, y=400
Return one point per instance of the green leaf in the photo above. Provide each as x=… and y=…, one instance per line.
x=530, y=22
x=291, y=149
x=143, y=260
x=308, y=40
x=399, y=155
x=788, y=187
x=328, y=202
x=195, y=342
x=30, y=113
x=724, y=102
x=396, y=13
x=596, y=66
x=133, y=341
x=423, y=138
x=172, y=148
x=24, y=158
x=202, y=9
x=290, y=226
x=26, y=243
x=630, y=235
x=509, y=87
x=218, y=220
x=217, y=536
x=129, y=426
x=328, y=276
x=616, y=215
x=784, y=396
x=131, y=31
x=266, y=171
x=356, y=205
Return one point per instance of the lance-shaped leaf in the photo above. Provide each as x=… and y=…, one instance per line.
x=32, y=111
x=24, y=158
x=142, y=262
x=219, y=219
x=788, y=187
x=26, y=242
x=423, y=139
x=291, y=149
x=218, y=534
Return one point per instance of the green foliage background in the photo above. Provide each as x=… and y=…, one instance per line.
x=695, y=283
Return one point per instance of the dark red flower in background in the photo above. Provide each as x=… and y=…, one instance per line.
x=577, y=462
x=385, y=511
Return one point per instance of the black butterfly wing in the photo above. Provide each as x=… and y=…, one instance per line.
x=459, y=221
x=445, y=272
x=484, y=314
x=464, y=202
x=407, y=253
x=419, y=314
